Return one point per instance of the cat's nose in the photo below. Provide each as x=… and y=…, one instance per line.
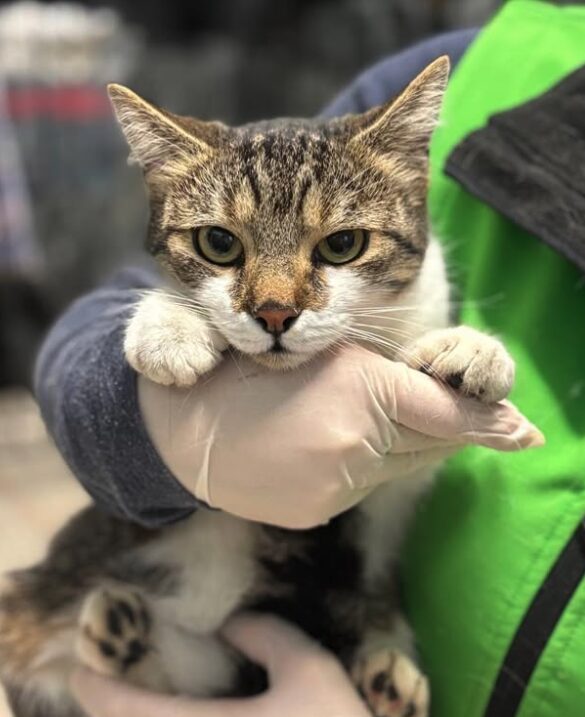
x=276, y=318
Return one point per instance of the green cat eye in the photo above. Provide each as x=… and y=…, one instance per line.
x=342, y=247
x=217, y=245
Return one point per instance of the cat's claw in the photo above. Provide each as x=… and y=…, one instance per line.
x=475, y=364
x=169, y=343
x=392, y=685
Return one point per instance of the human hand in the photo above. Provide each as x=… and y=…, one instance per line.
x=304, y=679
x=296, y=448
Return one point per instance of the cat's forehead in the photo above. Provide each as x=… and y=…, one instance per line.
x=284, y=181
x=274, y=171
x=286, y=129
x=286, y=142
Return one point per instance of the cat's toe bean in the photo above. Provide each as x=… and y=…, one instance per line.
x=114, y=629
x=392, y=685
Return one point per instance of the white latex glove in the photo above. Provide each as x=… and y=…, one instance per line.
x=304, y=680
x=294, y=449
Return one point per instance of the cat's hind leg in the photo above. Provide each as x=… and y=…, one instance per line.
x=387, y=676
x=114, y=637
x=122, y=634
x=36, y=650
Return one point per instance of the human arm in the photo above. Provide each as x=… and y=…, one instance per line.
x=88, y=399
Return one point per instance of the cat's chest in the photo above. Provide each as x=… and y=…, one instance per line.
x=215, y=557
x=385, y=515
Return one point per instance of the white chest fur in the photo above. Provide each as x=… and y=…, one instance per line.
x=215, y=553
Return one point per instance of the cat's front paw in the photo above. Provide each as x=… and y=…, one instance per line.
x=170, y=343
x=392, y=685
x=474, y=363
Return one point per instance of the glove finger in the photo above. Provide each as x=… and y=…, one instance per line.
x=406, y=440
x=269, y=641
x=403, y=464
x=421, y=403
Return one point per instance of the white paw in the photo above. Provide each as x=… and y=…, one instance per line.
x=169, y=343
x=475, y=364
x=114, y=631
x=392, y=685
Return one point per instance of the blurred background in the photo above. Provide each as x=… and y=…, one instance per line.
x=71, y=210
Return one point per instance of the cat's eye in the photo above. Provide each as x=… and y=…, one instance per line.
x=341, y=247
x=217, y=245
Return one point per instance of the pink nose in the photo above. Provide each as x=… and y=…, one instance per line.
x=275, y=318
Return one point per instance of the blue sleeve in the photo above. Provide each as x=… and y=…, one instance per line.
x=88, y=398
x=385, y=79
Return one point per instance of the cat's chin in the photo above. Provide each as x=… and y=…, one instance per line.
x=281, y=361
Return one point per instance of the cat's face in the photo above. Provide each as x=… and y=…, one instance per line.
x=289, y=235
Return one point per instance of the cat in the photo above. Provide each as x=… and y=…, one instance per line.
x=282, y=239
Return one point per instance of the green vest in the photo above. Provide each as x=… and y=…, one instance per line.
x=487, y=538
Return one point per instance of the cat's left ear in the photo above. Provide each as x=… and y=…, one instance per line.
x=406, y=123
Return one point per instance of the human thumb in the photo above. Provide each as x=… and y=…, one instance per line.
x=270, y=642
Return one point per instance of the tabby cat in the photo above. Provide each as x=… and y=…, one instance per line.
x=282, y=239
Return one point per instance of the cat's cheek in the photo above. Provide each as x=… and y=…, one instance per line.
x=315, y=331
x=347, y=289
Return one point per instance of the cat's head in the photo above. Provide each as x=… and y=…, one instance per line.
x=285, y=233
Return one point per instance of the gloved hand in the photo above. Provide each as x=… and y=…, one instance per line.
x=294, y=449
x=304, y=680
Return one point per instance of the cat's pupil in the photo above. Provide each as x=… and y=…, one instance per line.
x=341, y=242
x=220, y=240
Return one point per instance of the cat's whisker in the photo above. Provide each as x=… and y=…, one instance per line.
x=234, y=356
x=386, y=316
x=376, y=312
x=373, y=337
x=384, y=308
x=392, y=329
x=380, y=322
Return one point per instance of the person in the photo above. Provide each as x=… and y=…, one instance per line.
x=493, y=576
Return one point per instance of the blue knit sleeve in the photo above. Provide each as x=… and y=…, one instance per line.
x=88, y=398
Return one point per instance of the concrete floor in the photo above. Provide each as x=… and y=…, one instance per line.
x=37, y=492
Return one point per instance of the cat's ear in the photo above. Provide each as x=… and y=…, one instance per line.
x=407, y=122
x=162, y=143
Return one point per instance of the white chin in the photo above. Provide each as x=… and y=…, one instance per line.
x=282, y=361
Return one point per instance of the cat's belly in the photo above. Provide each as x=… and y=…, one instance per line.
x=216, y=557
x=387, y=514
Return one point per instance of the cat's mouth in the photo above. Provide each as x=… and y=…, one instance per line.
x=278, y=348
x=281, y=358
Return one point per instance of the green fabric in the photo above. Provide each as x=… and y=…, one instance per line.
x=489, y=533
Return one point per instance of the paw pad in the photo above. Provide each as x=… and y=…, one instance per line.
x=392, y=685
x=114, y=631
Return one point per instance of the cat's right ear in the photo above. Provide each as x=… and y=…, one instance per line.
x=405, y=124
x=162, y=143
